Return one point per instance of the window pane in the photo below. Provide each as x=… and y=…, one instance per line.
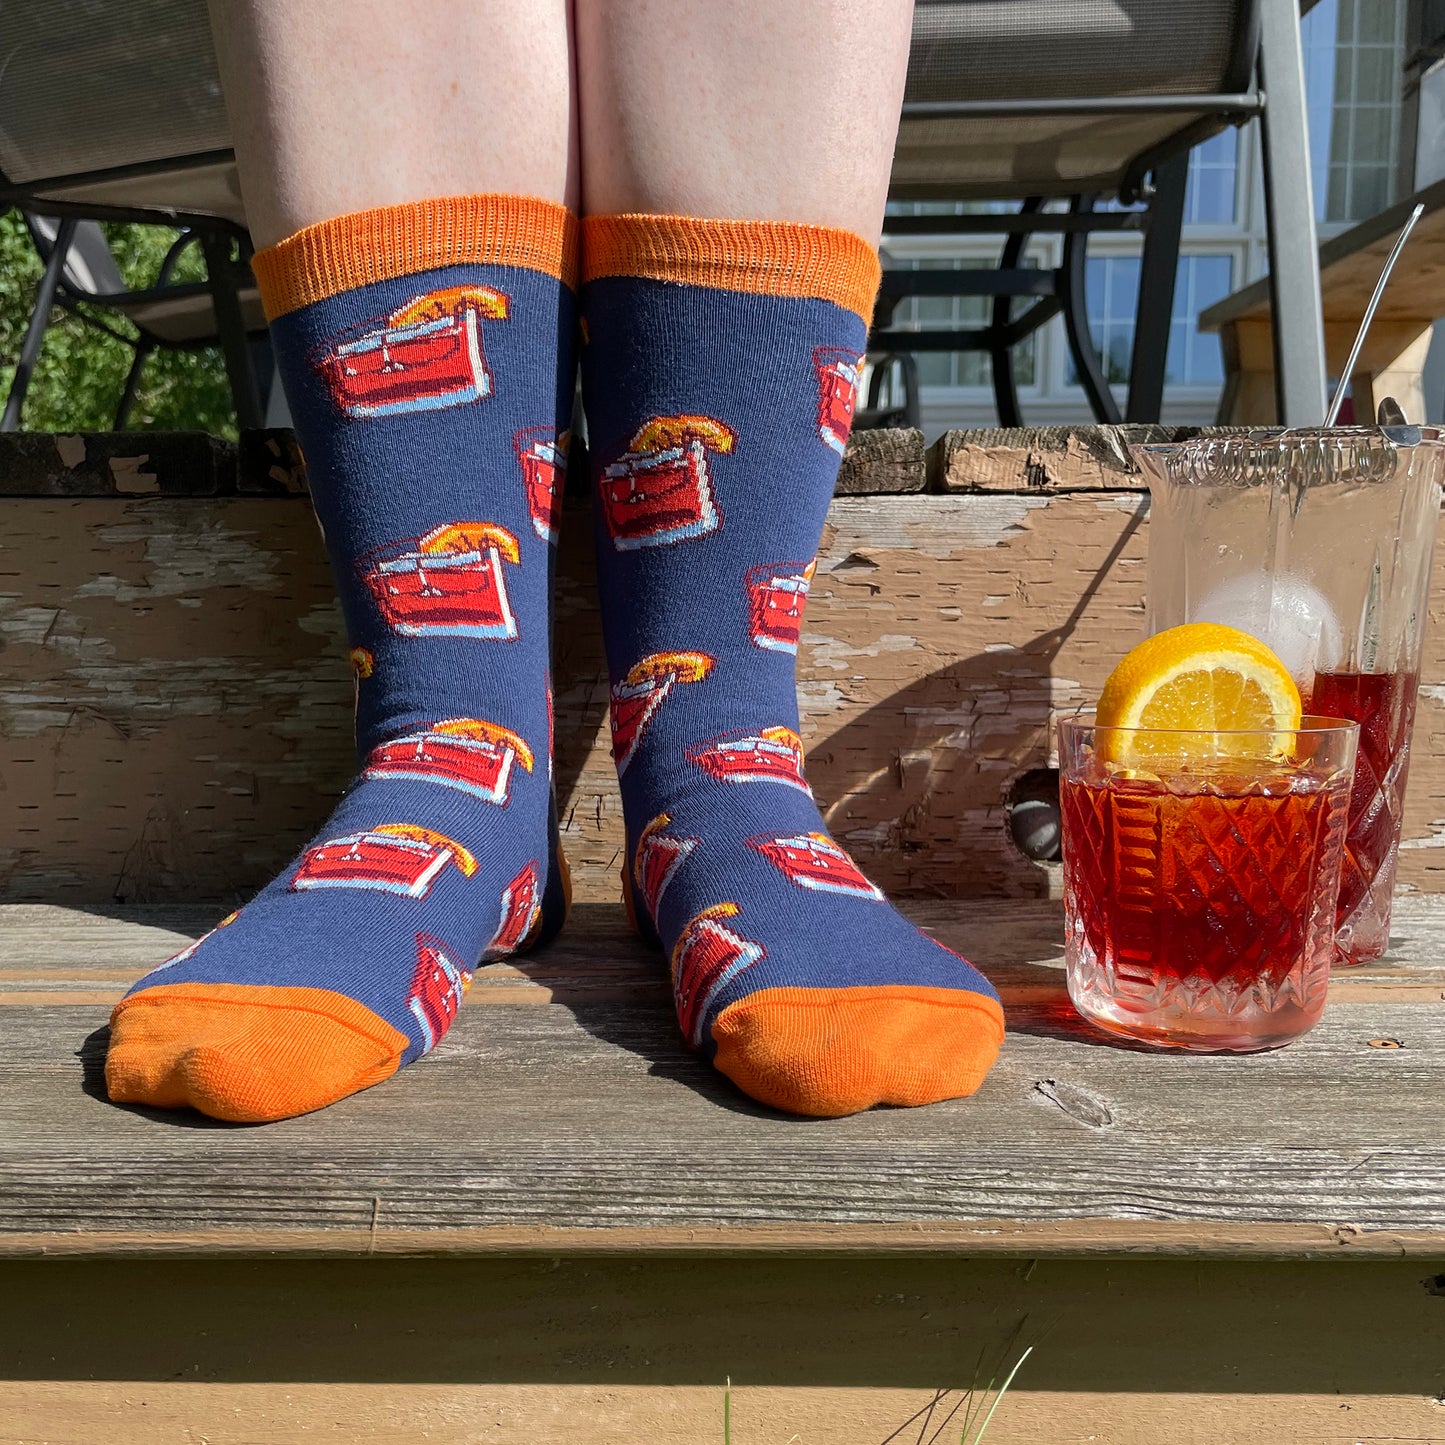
x=947, y=313
x=1194, y=357
x=1113, y=289
x=1210, y=197
x=935, y=368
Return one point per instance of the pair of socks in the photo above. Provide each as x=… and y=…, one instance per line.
x=428, y=354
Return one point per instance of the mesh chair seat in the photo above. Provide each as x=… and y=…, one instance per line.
x=108, y=87
x=1052, y=50
x=140, y=87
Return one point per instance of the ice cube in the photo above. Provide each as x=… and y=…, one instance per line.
x=1287, y=613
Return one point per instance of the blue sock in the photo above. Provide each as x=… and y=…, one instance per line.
x=426, y=351
x=719, y=366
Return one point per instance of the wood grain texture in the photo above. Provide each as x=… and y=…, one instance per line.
x=85, y=957
x=1056, y=458
x=881, y=461
x=1350, y=265
x=579, y=1122
x=175, y=706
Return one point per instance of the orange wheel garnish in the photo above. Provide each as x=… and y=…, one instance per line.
x=783, y=735
x=471, y=537
x=655, y=826
x=486, y=732
x=447, y=302
x=1202, y=677
x=464, y=860
x=718, y=910
x=663, y=432
x=684, y=666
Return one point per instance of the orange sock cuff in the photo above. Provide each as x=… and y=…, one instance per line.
x=391, y=241
x=769, y=258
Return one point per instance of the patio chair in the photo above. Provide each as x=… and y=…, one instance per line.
x=1063, y=103
x=115, y=110
x=81, y=275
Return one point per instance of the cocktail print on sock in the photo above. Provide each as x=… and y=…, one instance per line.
x=448, y=583
x=465, y=753
x=772, y=755
x=839, y=372
x=398, y=858
x=777, y=592
x=708, y=956
x=189, y=950
x=542, y=456
x=521, y=914
x=423, y=356
x=658, y=857
x=815, y=861
x=437, y=989
x=636, y=699
x=660, y=490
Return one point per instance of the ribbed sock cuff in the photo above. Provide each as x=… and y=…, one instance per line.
x=390, y=241
x=770, y=258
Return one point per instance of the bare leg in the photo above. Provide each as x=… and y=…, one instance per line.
x=749, y=111
x=405, y=170
x=341, y=105
x=735, y=164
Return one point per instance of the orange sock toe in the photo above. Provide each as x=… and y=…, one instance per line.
x=246, y=1053
x=833, y=1051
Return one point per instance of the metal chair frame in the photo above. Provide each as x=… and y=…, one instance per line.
x=1269, y=50
x=226, y=248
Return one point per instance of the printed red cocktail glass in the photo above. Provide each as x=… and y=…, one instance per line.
x=1201, y=875
x=1319, y=544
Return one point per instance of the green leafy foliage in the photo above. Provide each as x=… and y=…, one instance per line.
x=81, y=371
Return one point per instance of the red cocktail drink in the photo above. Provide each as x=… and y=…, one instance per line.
x=1200, y=897
x=1319, y=543
x=1383, y=703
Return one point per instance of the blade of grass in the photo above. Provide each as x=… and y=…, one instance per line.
x=972, y=1391
x=1003, y=1390
x=728, y=1412
x=1005, y=1350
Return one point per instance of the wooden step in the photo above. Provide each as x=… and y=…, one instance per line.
x=562, y=1113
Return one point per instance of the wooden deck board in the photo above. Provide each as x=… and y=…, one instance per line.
x=563, y=1114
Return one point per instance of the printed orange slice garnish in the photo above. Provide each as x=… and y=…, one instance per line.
x=783, y=735
x=684, y=666
x=663, y=432
x=486, y=732
x=1202, y=677
x=655, y=826
x=447, y=302
x=471, y=537
x=717, y=910
x=464, y=860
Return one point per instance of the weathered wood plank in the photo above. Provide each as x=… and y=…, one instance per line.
x=1350, y=265
x=1072, y=1145
x=831, y=1352
x=66, y=956
x=175, y=702
x=1048, y=459
x=882, y=461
